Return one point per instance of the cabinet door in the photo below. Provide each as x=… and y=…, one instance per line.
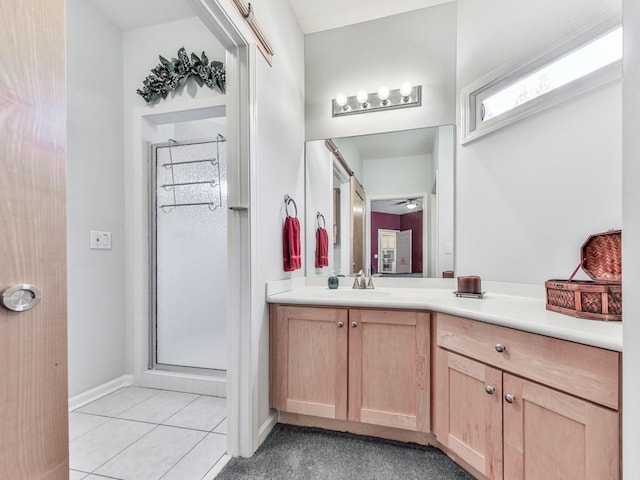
x=309, y=361
x=469, y=412
x=549, y=434
x=389, y=368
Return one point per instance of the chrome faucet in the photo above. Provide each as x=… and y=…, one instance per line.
x=361, y=282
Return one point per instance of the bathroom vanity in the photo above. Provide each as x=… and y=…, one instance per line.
x=506, y=388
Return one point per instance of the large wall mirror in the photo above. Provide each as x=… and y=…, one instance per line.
x=386, y=202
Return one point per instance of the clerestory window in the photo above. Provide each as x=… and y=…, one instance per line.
x=586, y=56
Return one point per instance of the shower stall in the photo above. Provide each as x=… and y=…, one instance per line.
x=188, y=256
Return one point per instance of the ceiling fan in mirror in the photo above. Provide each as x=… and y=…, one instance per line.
x=410, y=203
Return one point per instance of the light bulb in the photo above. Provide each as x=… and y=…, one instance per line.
x=411, y=205
x=405, y=90
x=362, y=97
x=341, y=99
x=383, y=94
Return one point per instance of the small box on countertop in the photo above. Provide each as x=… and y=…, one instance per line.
x=597, y=299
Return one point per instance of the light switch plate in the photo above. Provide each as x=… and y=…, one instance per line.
x=448, y=247
x=100, y=240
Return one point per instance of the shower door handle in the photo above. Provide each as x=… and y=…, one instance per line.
x=239, y=208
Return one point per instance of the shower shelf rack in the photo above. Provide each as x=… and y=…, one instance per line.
x=215, y=183
x=169, y=186
x=213, y=161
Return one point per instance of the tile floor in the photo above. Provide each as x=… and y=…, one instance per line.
x=146, y=434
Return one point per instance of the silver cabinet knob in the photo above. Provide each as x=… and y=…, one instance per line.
x=354, y=324
x=510, y=398
x=500, y=347
x=340, y=324
x=20, y=298
x=489, y=389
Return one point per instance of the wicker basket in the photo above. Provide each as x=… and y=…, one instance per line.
x=600, y=298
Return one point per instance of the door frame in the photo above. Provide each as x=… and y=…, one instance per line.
x=225, y=23
x=152, y=213
x=425, y=221
x=223, y=19
x=381, y=233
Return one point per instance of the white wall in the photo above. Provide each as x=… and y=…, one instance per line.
x=418, y=47
x=402, y=175
x=141, y=48
x=351, y=155
x=318, y=198
x=444, y=151
x=631, y=238
x=280, y=168
x=95, y=198
x=529, y=195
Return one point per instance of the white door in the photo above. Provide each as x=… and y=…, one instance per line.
x=403, y=251
x=33, y=343
x=387, y=250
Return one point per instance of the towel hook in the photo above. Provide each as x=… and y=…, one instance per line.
x=320, y=216
x=287, y=201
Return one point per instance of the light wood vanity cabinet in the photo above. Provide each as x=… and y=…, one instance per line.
x=515, y=405
x=367, y=366
x=508, y=405
x=309, y=361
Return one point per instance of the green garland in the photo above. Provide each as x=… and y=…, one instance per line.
x=169, y=75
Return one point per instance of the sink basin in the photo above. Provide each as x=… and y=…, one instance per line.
x=353, y=293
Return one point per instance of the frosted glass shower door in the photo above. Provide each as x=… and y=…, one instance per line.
x=190, y=255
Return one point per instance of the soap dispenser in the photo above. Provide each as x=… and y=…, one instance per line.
x=333, y=281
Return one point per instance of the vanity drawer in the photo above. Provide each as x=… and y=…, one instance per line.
x=587, y=372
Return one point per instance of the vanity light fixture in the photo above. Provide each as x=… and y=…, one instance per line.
x=342, y=101
x=405, y=91
x=383, y=95
x=407, y=95
x=411, y=205
x=363, y=98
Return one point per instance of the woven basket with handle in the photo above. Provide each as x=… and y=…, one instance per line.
x=600, y=298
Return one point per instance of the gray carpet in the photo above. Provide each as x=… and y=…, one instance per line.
x=295, y=453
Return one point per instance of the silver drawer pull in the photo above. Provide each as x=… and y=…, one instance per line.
x=490, y=389
x=510, y=398
x=340, y=324
x=500, y=348
x=354, y=324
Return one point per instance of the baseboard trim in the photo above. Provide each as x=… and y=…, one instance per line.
x=89, y=396
x=215, y=385
x=267, y=426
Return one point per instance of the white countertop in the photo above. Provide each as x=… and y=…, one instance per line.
x=524, y=310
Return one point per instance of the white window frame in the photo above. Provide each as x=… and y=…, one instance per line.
x=582, y=31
